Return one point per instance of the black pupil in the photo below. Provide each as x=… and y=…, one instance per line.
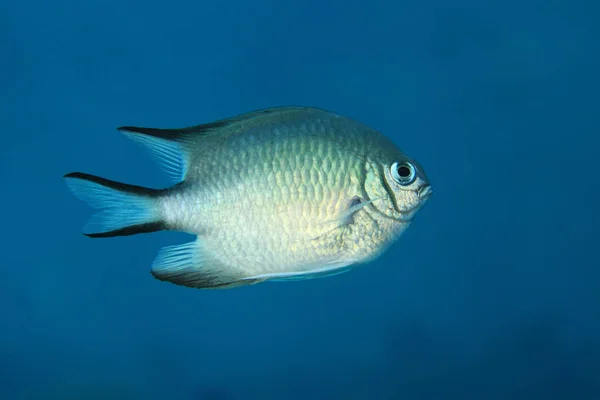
x=403, y=171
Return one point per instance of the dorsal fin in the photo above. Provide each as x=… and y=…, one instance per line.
x=242, y=122
x=168, y=148
x=224, y=126
x=175, y=134
x=171, y=146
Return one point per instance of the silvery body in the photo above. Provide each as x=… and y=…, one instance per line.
x=276, y=194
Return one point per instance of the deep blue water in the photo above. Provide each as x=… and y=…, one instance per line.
x=493, y=292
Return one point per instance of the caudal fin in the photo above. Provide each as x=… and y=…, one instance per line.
x=124, y=209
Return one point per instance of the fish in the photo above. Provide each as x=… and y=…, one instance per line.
x=277, y=194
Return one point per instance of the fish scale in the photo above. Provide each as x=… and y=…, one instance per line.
x=274, y=233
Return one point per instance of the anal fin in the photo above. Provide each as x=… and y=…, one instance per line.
x=191, y=265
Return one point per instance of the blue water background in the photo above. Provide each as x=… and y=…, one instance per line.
x=493, y=292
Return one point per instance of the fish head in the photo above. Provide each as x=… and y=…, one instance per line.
x=397, y=187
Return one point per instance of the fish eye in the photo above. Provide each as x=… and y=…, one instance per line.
x=404, y=172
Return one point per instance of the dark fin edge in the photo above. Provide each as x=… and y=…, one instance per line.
x=122, y=187
x=182, y=134
x=130, y=230
x=174, y=135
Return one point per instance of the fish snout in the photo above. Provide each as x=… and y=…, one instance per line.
x=425, y=192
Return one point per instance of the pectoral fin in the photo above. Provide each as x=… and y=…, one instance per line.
x=346, y=216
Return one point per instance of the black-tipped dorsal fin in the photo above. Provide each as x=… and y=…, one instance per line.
x=224, y=126
x=172, y=146
x=174, y=134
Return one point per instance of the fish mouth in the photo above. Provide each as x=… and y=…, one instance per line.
x=425, y=192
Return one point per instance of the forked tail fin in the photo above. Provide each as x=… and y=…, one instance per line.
x=124, y=209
